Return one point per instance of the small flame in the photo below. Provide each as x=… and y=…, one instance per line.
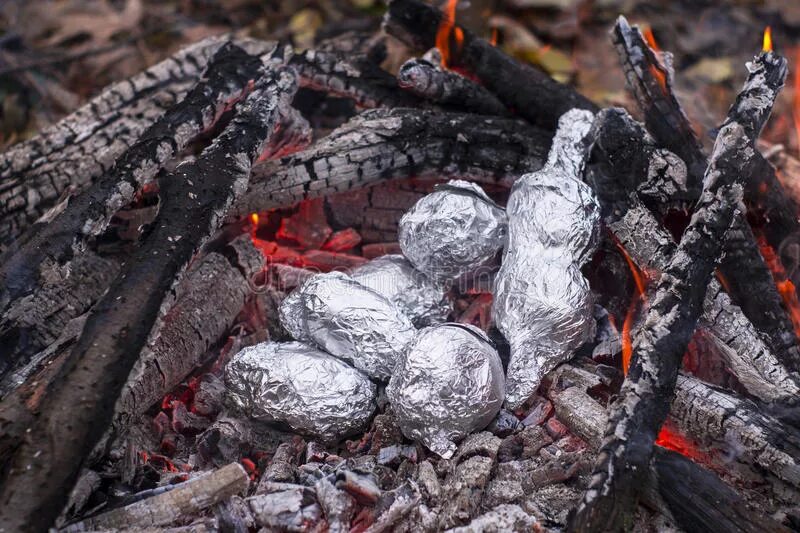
x=650, y=39
x=447, y=28
x=767, y=46
x=638, y=296
x=493, y=38
x=254, y=219
x=784, y=285
x=796, y=96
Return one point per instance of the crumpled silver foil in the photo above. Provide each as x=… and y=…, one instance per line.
x=449, y=384
x=452, y=231
x=542, y=302
x=291, y=319
x=350, y=321
x=314, y=393
x=415, y=294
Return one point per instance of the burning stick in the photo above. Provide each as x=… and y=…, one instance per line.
x=84, y=145
x=532, y=93
x=194, y=200
x=386, y=144
x=427, y=79
x=649, y=75
x=643, y=404
x=53, y=241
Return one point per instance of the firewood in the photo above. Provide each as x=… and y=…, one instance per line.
x=530, y=92
x=209, y=298
x=751, y=361
x=88, y=214
x=193, y=201
x=694, y=496
x=361, y=80
x=387, y=144
x=184, y=499
x=749, y=280
x=69, y=155
x=643, y=404
x=430, y=81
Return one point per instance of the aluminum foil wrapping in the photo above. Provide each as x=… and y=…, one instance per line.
x=449, y=384
x=312, y=392
x=542, y=302
x=415, y=294
x=452, y=231
x=291, y=319
x=350, y=321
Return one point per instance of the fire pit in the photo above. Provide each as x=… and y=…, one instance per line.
x=256, y=287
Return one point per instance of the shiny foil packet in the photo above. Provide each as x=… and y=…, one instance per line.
x=449, y=384
x=350, y=321
x=415, y=294
x=453, y=231
x=542, y=303
x=312, y=392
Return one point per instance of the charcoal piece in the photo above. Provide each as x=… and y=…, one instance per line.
x=296, y=384
x=294, y=509
x=448, y=384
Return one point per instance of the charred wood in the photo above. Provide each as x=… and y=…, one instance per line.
x=530, y=92
x=67, y=156
x=209, y=298
x=399, y=143
x=360, y=79
x=694, y=496
x=184, y=499
x=649, y=75
x=193, y=202
x=426, y=78
x=637, y=415
x=750, y=360
x=53, y=241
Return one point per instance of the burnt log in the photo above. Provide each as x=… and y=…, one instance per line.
x=210, y=297
x=67, y=156
x=51, y=242
x=426, y=78
x=385, y=144
x=193, y=201
x=533, y=94
x=750, y=360
x=695, y=497
x=649, y=75
x=637, y=415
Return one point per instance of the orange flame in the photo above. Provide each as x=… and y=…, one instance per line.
x=493, y=38
x=659, y=74
x=254, y=219
x=767, y=43
x=650, y=39
x=784, y=285
x=638, y=295
x=447, y=28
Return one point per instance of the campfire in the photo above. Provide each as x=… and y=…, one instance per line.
x=263, y=288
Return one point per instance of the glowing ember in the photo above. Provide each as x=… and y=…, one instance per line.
x=670, y=438
x=785, y=286
x=447, y=28
x=638, y=296
x=767, y=46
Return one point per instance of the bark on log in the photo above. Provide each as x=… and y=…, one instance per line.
x=642, y=407
x=357, y=78
x=33, y=322
x=530, y=92
x=649, y=75
x=185, y=499
x=210, y=297
x=426, y=78
x=387, y=144
x=194, y=200
x=68, y=155
x=51, y=243
x=751, y=361
x=697, y=498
